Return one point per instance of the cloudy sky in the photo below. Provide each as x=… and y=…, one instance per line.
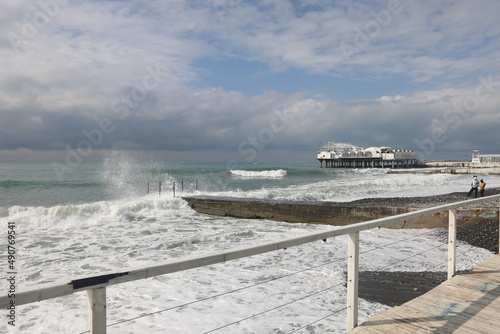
x=219, y=80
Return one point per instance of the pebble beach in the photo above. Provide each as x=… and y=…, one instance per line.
x=483, y=233
x=428, y=201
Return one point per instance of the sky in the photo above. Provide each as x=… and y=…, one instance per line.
x=247, y=81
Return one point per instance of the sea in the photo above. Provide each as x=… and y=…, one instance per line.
x=122, y=213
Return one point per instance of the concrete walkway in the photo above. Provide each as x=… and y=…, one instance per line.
x=468, y=303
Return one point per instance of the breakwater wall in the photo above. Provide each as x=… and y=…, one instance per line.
x=455, y=167
x=332, y=213
x=478, y=171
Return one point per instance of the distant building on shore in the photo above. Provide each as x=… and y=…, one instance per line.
x=485, y=158
x=345, y=155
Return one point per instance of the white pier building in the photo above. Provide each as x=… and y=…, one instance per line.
x=477, y=157
x=345, y=155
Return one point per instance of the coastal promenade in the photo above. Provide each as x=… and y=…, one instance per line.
x=467, y=303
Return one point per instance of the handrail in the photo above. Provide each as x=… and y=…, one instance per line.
x=96, y=284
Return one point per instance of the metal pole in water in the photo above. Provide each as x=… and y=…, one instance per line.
x=148, y=188
x=173, y=187
x=159, y=189
x=196, y=185
x=182, y=185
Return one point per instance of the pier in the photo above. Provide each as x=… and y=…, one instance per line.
x=367, y=163
x=345, y=155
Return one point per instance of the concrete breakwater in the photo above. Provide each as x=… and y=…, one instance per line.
x=339, y=213
x=461, y=170
x=455, y=167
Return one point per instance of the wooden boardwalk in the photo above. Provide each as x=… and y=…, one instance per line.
x=468, y=303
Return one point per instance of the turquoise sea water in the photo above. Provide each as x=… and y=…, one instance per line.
x=41, y=184
x=121, y=177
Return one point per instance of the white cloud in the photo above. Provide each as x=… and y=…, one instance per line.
x=78, y=67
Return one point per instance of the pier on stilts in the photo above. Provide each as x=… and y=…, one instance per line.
x=367, y=163
x=344, y=155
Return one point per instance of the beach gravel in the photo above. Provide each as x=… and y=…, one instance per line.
x=396, y=288
x=425, y=202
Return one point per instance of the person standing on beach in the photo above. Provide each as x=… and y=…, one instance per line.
x=482, y=185
x=473, y=184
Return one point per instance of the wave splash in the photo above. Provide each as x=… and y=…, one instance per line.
x=278, y=173
x=106, y=214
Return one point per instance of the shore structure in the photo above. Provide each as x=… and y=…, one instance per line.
x=477, y=157
x=479, y=164
x=345, y=155
x=455, y=167
x=343, y=213
x=476, y=226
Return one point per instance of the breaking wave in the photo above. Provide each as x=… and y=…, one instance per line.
x=278, y=173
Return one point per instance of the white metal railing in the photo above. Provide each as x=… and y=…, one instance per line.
x=96, y=285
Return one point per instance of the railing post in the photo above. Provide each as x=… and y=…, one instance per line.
x=352, y=280
x=452, y=243
x=96, y=310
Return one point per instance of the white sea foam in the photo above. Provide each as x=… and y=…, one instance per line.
x=279, y=173
x=363, y=183
x=89, y=249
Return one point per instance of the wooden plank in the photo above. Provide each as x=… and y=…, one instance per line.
x=463, y=304
x=352, y=280
x=488, y=316
x=452, y=242
x=38, y=293
x=96, y=309
x=406, y=317
x=439, y=307
x=444, y=292
x=488, y=270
